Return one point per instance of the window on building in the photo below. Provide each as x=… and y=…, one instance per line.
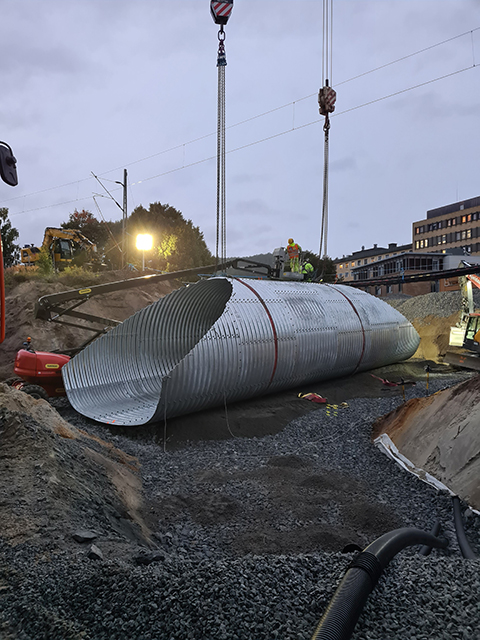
x=469, y=217
x=462, y=207
x=389, y=288
x=340, y=266
x=474, y=216
x=422, y=244
x=464, y=219
x=417, y=230
x=378, y=291
x=469, y=233
x=365, y=261
x=444, y=238
x=458, y=236
x=417, y=244
x=353, y=264
x=454, y=222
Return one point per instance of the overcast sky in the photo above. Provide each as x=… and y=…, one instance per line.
x=102, y=85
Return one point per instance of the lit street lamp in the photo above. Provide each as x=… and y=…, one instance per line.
x=144, y=243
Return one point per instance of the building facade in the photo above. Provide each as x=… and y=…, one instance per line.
x=366, y=257
x=454, y=226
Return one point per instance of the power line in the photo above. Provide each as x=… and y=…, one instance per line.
x=261, y=115
x=266, y=139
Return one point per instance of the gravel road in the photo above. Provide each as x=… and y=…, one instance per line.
x=249, y=534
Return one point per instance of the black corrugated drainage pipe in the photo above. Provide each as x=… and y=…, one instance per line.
x=425, y=550
x=345, y=607
x=463, y=543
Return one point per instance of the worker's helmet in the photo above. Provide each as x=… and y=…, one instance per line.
x=290, y=241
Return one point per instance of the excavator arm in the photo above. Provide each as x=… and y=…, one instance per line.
x=54, y=233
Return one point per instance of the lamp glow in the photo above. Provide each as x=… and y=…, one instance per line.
x=144, y=242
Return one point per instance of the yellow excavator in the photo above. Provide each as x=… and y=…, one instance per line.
x=66, y=246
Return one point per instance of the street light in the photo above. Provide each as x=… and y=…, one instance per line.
x=144, y=243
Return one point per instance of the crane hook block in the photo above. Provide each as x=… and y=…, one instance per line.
x=326, y=100
x=221, y=10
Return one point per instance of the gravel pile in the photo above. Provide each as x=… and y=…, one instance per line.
x=442, y=304
x=201, y=582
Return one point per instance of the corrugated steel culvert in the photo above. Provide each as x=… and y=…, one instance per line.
x=225, y=339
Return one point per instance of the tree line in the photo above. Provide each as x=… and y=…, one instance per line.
x=177, y=243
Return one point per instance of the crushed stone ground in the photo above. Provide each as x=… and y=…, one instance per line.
x=234, y=527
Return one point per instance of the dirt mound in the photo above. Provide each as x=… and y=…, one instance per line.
x=434, y=332
x=50, y=336
x=56, y=480
x=440, y=435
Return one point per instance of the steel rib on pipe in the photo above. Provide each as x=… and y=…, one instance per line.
x=225, y=339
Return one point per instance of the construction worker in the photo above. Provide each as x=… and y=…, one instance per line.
x=307, y=271
x=294, y=250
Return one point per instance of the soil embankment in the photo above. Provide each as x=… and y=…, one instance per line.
x=440, y=435
x=49, y=336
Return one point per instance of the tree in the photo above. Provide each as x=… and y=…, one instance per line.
x=178, y=243
x=86, y=223
x=325, y=267
x=11, y=251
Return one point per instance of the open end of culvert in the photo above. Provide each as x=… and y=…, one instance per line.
x=118, y=379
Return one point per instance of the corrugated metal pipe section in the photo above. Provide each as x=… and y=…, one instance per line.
x=225, y=339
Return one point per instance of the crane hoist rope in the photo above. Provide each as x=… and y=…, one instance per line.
x=326, y=103
x=221, y=11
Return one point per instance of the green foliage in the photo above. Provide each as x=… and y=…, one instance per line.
x=76, y=275
x=45, y=262
x=177, y=243
x=86, y=223
x=11, y=251
x=325, y=267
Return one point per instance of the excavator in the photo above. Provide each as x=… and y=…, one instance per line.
x=466, y=333
x=66, y=246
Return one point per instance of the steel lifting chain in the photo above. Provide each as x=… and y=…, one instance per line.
x=324, y=225
x=326, y=105
x=221, y=11
x=221, y=242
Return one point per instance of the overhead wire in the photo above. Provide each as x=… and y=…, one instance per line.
x=261, y=115
x=253, y=143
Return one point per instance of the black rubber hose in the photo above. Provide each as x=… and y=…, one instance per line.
x=463, y=543
x=425, y=550
x=341, y=615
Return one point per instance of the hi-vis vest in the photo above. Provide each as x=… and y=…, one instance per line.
x=293, y=251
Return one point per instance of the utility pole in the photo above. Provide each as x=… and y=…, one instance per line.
x=122, y=209
x=124, y=224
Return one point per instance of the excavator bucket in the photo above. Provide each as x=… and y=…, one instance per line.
x=464, y=360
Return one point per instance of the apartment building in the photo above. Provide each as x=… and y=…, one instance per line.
x=366, y=257
x=454, y=226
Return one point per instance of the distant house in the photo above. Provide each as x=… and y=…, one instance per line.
x=365, y=257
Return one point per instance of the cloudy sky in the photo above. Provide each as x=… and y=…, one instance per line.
x=102, y=85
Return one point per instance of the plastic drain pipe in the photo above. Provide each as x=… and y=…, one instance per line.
x=341, y=615
x=463, y=543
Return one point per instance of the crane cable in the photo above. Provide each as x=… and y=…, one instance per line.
x=221, y=10
x=326, y=104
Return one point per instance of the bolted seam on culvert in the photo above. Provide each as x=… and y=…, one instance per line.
x=225, y=339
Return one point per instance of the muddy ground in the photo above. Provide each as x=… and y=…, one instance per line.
x=267, y=415
x=57, y=479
